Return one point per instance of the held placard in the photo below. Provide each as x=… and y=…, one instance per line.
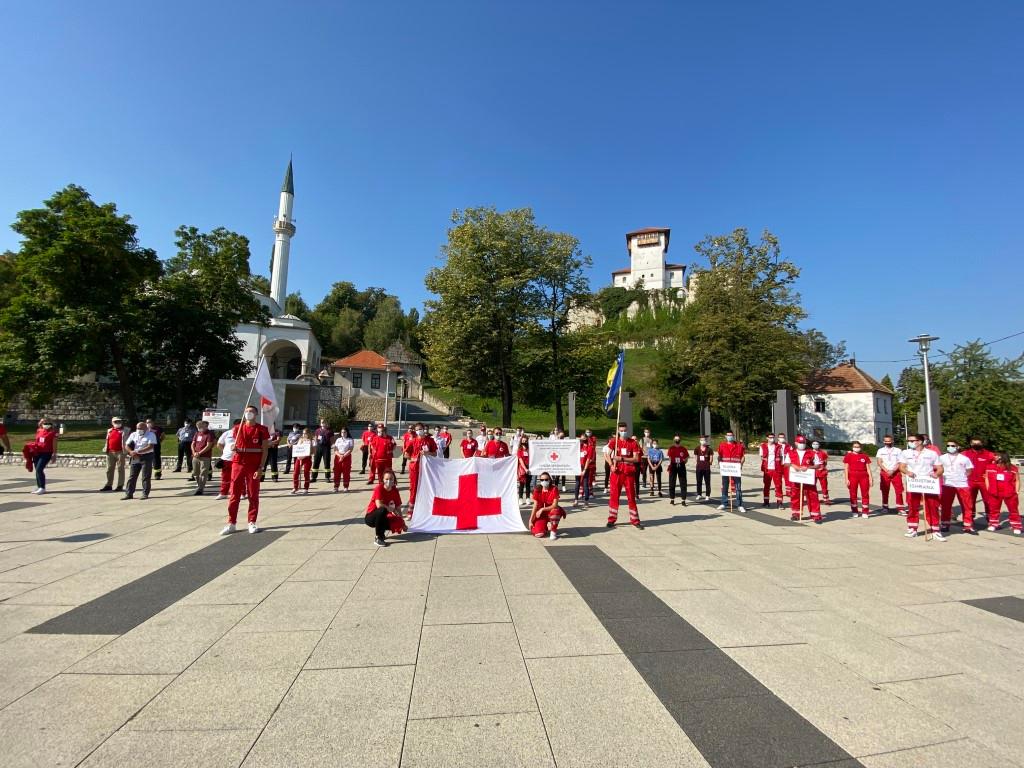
x=801, y=476
x=217, y=420
x=730, y=469
x=300, y=450
x=926, y=485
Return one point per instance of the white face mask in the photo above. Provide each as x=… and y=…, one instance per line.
x=951, y=449
x=545, y=483
x=388, y=484
x=622, y=433
x=419, y=433
x=730, y=438
x=801, y=446
x=250, y=416
x=816, y=446
x=703, y=442
x=856, y=449
x=912, y=444
x=780, y=440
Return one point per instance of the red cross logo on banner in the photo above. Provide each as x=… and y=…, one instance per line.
x=468, y=506
x=554, y=455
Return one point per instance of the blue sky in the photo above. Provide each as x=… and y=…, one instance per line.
x=882, y=142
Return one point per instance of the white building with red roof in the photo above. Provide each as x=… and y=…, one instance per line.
x=648, y=251
x=843, y=404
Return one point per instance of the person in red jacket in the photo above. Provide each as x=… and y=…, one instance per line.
x=421, y=445
x=45, y=451
x=981, y=459
x=468, y=445
x=364, y=447
x=731, y=451
x=546, y=512
x=677, y=458
x=382, y=449
x=496, y=447
x=407, y=438
x=584, y=478
x=821, y=471
x=624, y=457
x=114, y=448
x=382, y=513
x=1002, y=481
x=799, y=456
x=523, y=469
x=771, y=469
x=252, y=441
x=857, y=468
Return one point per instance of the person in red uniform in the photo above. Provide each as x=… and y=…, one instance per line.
x=302, y=465
x=956, y=471
x=546, y=512
x=444, y=438
x=821, y=471
x=857, y=467
x=981, y=458
x=382, y=513
x=252, y=441
x=468, y=445
x=421, y=445
x=731, y=451
x=677, y=458
x=888, y=458
x=583, y=479
x=115, y=451
x=1002, y=481
x=407, y=438
x=496, y=447
x=624, y=457
x=771, y=469
x=364, y=446
x=45, y=451
x=921, y=461
x=800, y=456
x=382, y=449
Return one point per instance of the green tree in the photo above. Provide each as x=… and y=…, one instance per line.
x=386, y=326
x=81, y=278
x=294, y=304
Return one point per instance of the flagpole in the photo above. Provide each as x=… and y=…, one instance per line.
x=253, y=387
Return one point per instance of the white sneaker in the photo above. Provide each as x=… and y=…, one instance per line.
x=335, y=490
x=911, y=533
x=295, y=492
x=553, y=536
x=253, y=528
x=938, y=536
x=742, y=509
x=221, y=497
x=991, y=529
x=1016, y=531
x=346, y=490
x=563, y=488
x=721, y=507
x=229, y=528
x=39, y=491
x=305, y=492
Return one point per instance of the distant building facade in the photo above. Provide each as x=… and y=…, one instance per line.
x=843, y=404
x=648, y=249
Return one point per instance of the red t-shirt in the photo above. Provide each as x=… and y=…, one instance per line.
x=383, y=447
x=624, y=449
x=496, y=449
x=420, y=445
x=468, y=448
x=546, y=498
x=586, y=454
x=982, y=461
x=45, y=440
x=115, y=440
x=1005, y=487
x=857, y=462
x=384, y=495
x=730, y=451
x=202, y=443
x=368, y=435
x=3, y=430
x=407, y=438
x=677, y=455
x=795, y=460
x=249, y=440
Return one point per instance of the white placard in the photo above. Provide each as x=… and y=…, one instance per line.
x=217, y=419
x=300, y=450
x=556, y=457
x=928, y=485
x=730, y=469
x=801, y=476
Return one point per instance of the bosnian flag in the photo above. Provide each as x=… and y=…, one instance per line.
x=474, y=495
x=264, y=387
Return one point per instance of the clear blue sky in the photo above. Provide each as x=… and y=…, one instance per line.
x=882, y=142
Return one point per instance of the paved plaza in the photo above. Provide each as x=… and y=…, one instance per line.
x=132, y=635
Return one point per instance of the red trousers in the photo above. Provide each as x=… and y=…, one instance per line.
x=895, y=480
x=946, y=505
x=301, y=466
x=1012, y=506
x=244, y=481
x=622, y=481
x=414, y=480
x=225, y=478
x=931, y=510
x=986, y=498
x=809, y=495
x=547, y=521
x=823, y=482
x=860, y=485
x=378, y=468
x=342, y=470
x=773, y=477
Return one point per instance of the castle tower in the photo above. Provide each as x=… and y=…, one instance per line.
x=284, y=228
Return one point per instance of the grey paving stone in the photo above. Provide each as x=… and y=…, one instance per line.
x=298, y=605
x=963, y=753
x=1010, y=607
x=286, y=551
x=503, y=741
x=465, y=599
x=626, y=605
x=82, y=587
x=371, y=634
x=982, y=625
x=529, y=576
x=390, y=579
x=957, y=652
x=15, y=619
x=463, y=561
x=726, y=621
x=551, y=625
x=173, y=749
x=27, y=661
x=661, y=573
x=57, y=567
x=242, y=585
x=655, y=633
x=239, y=650
x=681, y=678
x=333, y=565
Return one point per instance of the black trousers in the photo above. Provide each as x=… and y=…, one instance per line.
x=365, y=451
x=158, y=465
x=271, y=462
x=655, y=474
x=323, y=453
x=378, y=520
x=607, y=474
x=184, y=452
x=524, y=487
x=678, y=474
x=703, y=479
x=287, y=460
x=140, y=465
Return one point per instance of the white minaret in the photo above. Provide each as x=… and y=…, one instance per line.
x=284, y=228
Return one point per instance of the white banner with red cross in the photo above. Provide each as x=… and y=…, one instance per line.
x=556, y=457
x=473, y=495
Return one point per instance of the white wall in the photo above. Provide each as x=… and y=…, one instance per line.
x=863, y=416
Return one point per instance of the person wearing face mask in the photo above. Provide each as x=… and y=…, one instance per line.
x=323, y=439
x=625, y=461
x=956, y=471
x=226, y=441
x=606, y=455
x=857, y=470
x=141, y=448
x=443, y=439
x=919, y=461
x=382, y=513
x=291, y=440
x=645, y=446
x=303, y=464
x=803, y=457
x=383, y=449
x=654, y=459
x=587, y=458
x=703, y=459
x=496, y=448
x=422, y=445
x=252, y=441
x=468, y=445
x=44, y=450
x=185, y=436
x=481, y=440
x=677, y=458
x=731, y=451
x=982, y=459
x=407, y=438
x=202, y=453
x=592, y=441
x=546, y=512
x=888, y=459
x=115, y=450
x=821, y=471
x=523, y=470
x=364, y=447
x=156, y=429
x=343, y=447
x=1002, y=481
x=771, y=469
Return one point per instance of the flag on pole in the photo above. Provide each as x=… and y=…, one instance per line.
x=264, y=387
x=614, y=380
x=472, y=495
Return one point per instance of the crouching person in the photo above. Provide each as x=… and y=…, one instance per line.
x=546, y=512
x=383, y=513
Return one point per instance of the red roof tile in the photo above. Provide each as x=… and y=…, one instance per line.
x=366, y=359
x=846, y=377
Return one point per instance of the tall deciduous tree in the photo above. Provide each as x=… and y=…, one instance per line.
x=81, y=277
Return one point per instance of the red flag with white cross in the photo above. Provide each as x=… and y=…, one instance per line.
x=475, y=495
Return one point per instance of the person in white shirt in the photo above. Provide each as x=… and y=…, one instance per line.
x=888, y=460
x=956, y=471
x=342, y=449
x=921, y=462
x=141, y=446
x=227, y=444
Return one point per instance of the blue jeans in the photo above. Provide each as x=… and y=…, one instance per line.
x=738, y=501
x=39, y=462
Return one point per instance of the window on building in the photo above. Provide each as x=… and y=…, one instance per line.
x=357, y=381
x=819, y=406
x=885, y=406
x=374, y=381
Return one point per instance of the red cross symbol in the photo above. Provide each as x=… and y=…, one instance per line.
x=468, y=506
x=553, y=455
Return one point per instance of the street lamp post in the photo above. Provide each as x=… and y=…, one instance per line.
x=398, y=396
x=387, y=392
x=924, y=343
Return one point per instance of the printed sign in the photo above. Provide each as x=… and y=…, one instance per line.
x=217, y=419
x=730, y=469
x=801, y=476
x=556, y=457
x=300, y=450
x=928, y=485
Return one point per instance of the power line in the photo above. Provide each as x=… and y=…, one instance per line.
x=944, y=354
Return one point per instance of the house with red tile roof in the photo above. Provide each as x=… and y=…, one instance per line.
x=844, y=404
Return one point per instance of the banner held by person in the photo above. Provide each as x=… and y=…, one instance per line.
x=556, y=457
x=474, y=495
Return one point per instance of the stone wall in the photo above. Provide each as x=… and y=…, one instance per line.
x=371, y=408
x=86, y=403
x=81, y=460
